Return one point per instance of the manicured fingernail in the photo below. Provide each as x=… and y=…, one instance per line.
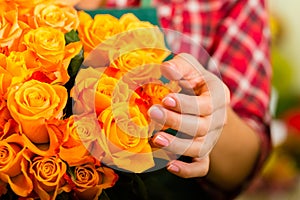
x=173, y=168
x=161, y=141
x=169, y=101
x=156, y=113
x=169, y=64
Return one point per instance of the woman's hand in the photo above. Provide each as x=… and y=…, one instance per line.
x=198, y=113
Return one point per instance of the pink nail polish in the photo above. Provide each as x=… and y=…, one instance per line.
x=173, y=168
x=156, y=113
x=169, y=101
x=161, y=141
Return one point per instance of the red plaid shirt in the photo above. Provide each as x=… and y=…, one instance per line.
x=236, y=36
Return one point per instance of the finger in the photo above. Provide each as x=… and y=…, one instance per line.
x=195, y=79
x=186, y=104
x=183, y=66
x=198, y=168
x=180, y=146
x=190, y=124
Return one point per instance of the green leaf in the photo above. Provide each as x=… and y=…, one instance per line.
x=70, y=171
x=75, y=64
x=71, y=36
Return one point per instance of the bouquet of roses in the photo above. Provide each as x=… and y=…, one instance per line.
x=65, y=125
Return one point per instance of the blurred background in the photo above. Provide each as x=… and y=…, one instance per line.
x=280, y=178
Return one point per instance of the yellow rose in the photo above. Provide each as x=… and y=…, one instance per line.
x=13, y=165
x=10, y=27
x=144, y=35
x=48, y=43
x=47, y=174
x=90, y=180
x=34, y=102
x=94, y=31
x=125, y=138
x=127, y=19
x=56, y=15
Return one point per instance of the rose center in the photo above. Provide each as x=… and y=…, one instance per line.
x=35, y=99
x=52, y=15
x=82, y=131
x=48, y=170
x=4, y=155
x=84, y=175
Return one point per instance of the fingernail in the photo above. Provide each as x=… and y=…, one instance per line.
x=170, y=70
x=169, y=65
x=161, y=141
x=173, y=168
x=169, y=101
x=155, y=113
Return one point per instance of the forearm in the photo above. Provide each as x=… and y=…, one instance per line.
x=235, y=153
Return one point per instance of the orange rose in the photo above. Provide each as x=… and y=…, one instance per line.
x=8, y=125
x=90, y=180
x=10, y=27
x=94, y=31
x=149, y=94
x=137, y=59
x=5, y=82
x=79, y=136
x=48, y=51
x=13, y=70
x=137, y=69
x=104, y=91
x=95, y=91
x=125, y=138
x=57, y=15
x=44, y=149
x=47, y=174
x=48, y=43
x=17, y=67
x=13, y=165
x=26, y=7
x=34, y=102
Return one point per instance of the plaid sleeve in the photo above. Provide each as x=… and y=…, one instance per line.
x=241, y=50
x=236, y=35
